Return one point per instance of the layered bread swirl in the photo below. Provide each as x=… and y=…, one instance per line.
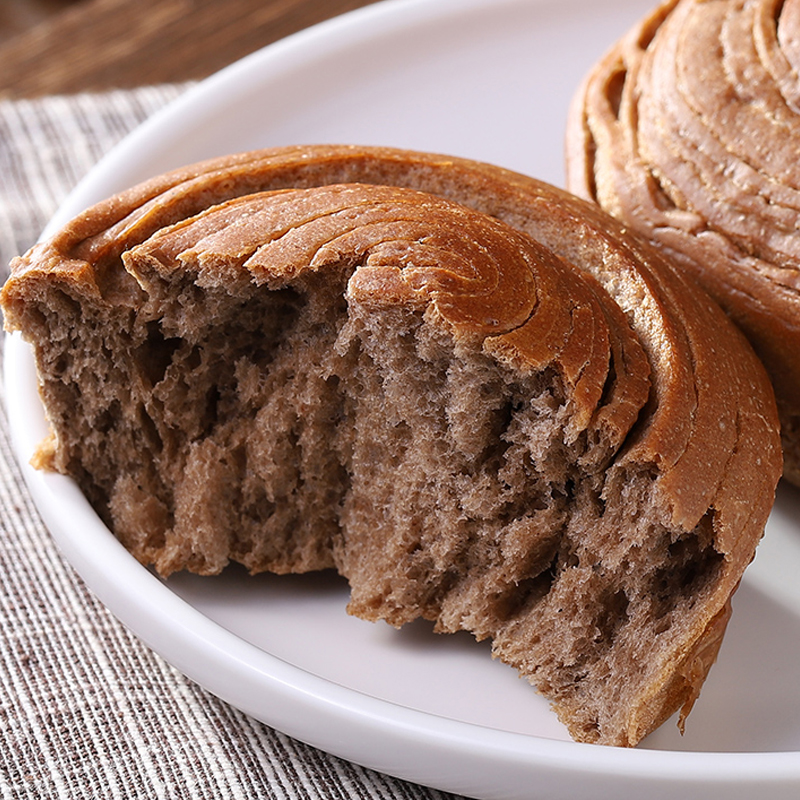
x=467, y=391
x=689, y=131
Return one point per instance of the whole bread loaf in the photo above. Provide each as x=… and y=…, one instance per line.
x=469, y=392
x=688, y=130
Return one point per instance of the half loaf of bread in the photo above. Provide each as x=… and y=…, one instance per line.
x=688, y=130
x=469, y=392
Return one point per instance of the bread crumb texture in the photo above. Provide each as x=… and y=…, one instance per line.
x=468, y=392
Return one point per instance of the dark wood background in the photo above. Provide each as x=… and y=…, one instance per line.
x=66, y=46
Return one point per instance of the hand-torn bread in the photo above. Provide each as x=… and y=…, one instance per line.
x=688, y=130
x=467, y=391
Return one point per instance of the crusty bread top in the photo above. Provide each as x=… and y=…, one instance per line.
x=713, y=405
x=483, y=280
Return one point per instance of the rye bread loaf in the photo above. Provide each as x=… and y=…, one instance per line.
x=469, y=392
x=688, y=130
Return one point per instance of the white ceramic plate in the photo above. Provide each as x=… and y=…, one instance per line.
x=486, y=79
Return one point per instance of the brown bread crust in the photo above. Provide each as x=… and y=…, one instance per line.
x=688, y=131
x=471, y=393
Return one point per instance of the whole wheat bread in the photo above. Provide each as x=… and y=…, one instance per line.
x=688, y=130
x=472, y=394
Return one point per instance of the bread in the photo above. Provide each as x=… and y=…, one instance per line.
x=470, y=393
x=688, y=131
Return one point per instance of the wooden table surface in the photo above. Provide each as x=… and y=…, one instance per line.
x=67, y=46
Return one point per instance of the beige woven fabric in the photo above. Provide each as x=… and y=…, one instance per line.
x=86, y=710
